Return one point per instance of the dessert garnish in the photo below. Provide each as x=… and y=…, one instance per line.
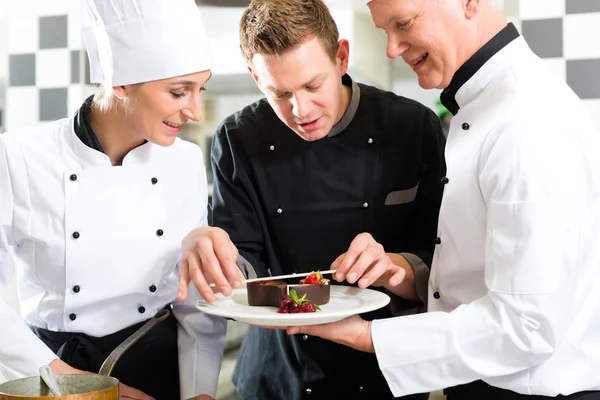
x=292, y=304
x=314, y=278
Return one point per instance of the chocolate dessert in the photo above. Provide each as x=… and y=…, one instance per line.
x=314, y=289
x=266, y=293
x=318, y=293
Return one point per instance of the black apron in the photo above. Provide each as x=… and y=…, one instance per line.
x=480, y=390
x=150, y=365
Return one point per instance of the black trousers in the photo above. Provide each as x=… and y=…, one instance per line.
x=151, y=365
x=480, y=390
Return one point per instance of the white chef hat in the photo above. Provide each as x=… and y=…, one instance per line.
x=134, y=41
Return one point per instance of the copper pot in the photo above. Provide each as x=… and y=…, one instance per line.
x=80, y=386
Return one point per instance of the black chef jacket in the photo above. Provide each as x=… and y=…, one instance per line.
x=294, y=206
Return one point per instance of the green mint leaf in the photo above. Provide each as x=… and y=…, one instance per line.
x=294, y=296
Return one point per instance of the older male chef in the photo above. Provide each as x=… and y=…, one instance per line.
x=514, y=292
x=96, y=239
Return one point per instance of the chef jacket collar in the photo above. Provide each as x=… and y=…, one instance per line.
x=85, y=144
x=82, y=126
x=352, y=107
x=474, y=64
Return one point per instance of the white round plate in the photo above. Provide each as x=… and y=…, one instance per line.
x=345, y=301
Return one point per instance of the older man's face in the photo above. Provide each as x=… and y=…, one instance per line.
x=425, y=33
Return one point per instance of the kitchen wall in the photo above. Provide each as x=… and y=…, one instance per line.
x=46, y=67
x=566, y=33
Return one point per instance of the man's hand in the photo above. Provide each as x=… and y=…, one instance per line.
x=60, y=367
x=353, y=332
x=208, y=256
x=128, y=393
x=367, y=262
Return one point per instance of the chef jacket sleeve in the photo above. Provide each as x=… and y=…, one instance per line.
x=21, y=352
x=233, y=205
x=200, y=336
x=535, y=221
x=428, y=200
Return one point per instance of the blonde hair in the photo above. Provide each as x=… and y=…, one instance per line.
x=273, y=27
x=105, y=99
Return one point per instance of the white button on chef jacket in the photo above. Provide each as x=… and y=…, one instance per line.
x=518, y=267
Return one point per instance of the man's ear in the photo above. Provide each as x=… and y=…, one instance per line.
x=471, y=7
x=255, y=77
x=343, y=55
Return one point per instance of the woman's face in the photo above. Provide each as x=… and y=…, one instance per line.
x=159, y=108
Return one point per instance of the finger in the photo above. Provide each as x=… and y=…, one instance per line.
x=336, y=265
x=369, y=256
x=272, y=327
x=197, y=276
x=348, y=332
x=326, y=331
x=374, y=272
x=294, y=330
x=398, y=277
x=357, y=246
x=226, y=255
x=128, y=392
x=184, y=280
x=211, y=266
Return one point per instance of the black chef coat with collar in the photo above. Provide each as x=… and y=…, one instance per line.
x=294, y=206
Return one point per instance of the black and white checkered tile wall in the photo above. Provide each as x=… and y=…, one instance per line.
x=566, y=33
x=47, y=70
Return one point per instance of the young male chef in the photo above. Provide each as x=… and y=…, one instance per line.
x=301, y=172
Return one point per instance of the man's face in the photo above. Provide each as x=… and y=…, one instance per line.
x=304, y=87
x=427, y=34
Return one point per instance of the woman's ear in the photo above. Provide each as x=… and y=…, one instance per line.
x=120, y=92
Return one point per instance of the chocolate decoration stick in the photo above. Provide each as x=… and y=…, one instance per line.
x=280, y=277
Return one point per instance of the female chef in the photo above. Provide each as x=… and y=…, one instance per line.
x=93, y=209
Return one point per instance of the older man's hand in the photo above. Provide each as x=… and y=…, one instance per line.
x=367, y=263
x=208, y=256
x=353, y=332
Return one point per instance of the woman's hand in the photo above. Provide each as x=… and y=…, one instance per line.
x=208, y=256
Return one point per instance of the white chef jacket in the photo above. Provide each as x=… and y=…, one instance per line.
x=72, y=219
x=514, y=291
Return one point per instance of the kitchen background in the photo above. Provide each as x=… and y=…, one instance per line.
x=44, y=73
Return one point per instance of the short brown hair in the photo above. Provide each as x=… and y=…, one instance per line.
x=273, y=27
